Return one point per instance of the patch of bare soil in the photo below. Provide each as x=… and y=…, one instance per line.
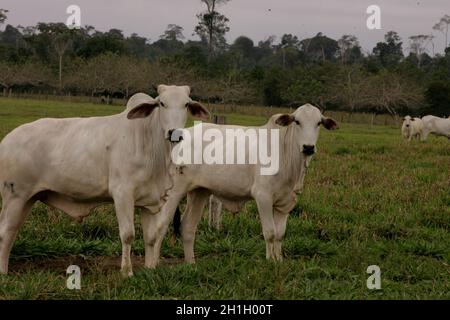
x=88, y=265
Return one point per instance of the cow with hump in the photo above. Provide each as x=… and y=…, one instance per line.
x=77, y=164
x=275, y=194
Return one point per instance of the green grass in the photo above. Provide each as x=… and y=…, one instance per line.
x=370, y=198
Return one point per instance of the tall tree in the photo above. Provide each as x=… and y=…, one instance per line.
x=418, y=46
x=3, y=15
x=443, y=26
x=289, y=48
x=243, y=49
x=100, y=43
x=244, y=45
x=173, y=33
x=349, y=49
x=389, y=52
x=319, y=48
x=137, y=45
x=212, y=26
x=62, y=43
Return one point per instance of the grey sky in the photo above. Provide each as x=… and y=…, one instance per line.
x=254, y=18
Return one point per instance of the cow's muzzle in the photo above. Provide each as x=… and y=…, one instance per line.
x=175, y=135
x=309, y=150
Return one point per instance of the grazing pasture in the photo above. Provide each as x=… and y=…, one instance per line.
x=370, y=198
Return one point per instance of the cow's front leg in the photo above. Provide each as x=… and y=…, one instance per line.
x=265, y=208
x=280, y=218
x=154, y=226
x=149, y=223
x=124, y=204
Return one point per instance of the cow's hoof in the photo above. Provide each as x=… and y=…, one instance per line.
x=126, y=273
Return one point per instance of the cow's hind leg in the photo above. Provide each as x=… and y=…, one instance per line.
x=215, y=213
x=12, y=216
x=196, y=202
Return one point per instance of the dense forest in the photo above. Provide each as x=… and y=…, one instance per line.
x=334, y=74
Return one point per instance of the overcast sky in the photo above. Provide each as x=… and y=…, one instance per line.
x=256, y=19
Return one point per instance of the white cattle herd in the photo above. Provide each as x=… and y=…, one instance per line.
x=132, y=159
x=420, y=129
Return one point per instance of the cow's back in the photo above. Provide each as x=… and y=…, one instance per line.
x=439, y=126
x=58, y=153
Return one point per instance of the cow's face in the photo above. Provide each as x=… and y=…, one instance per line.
x=174, y=103
x=407, y=121
x=307, y=121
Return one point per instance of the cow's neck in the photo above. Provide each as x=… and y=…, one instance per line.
x=292, y=160
x=151, y=144
x=158, y=155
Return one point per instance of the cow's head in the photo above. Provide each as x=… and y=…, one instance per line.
x=307, y=120
x=407, y=121
x=173, y=102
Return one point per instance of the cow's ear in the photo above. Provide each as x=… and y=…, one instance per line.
x=161, y=88
x=142, y=110
x=284, y=120
x=329, y=123
x=187, y=89
x=198, y=110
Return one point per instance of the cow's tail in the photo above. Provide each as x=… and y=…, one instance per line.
x=177, y=223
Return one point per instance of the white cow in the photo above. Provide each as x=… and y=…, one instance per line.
x=275, y=195
x=77, y=164
x=412, y=128
x=435, y=125
x=215, y=205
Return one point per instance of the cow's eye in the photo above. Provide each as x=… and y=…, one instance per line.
x=319, y=123
x=297, y=122
x=162, y=104
x=187, y=104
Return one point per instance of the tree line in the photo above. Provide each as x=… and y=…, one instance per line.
x=331, y=73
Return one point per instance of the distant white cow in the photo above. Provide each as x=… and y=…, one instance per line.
x=77, y=164
x=435, y=125
x=275, y=195
x=412, y=128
